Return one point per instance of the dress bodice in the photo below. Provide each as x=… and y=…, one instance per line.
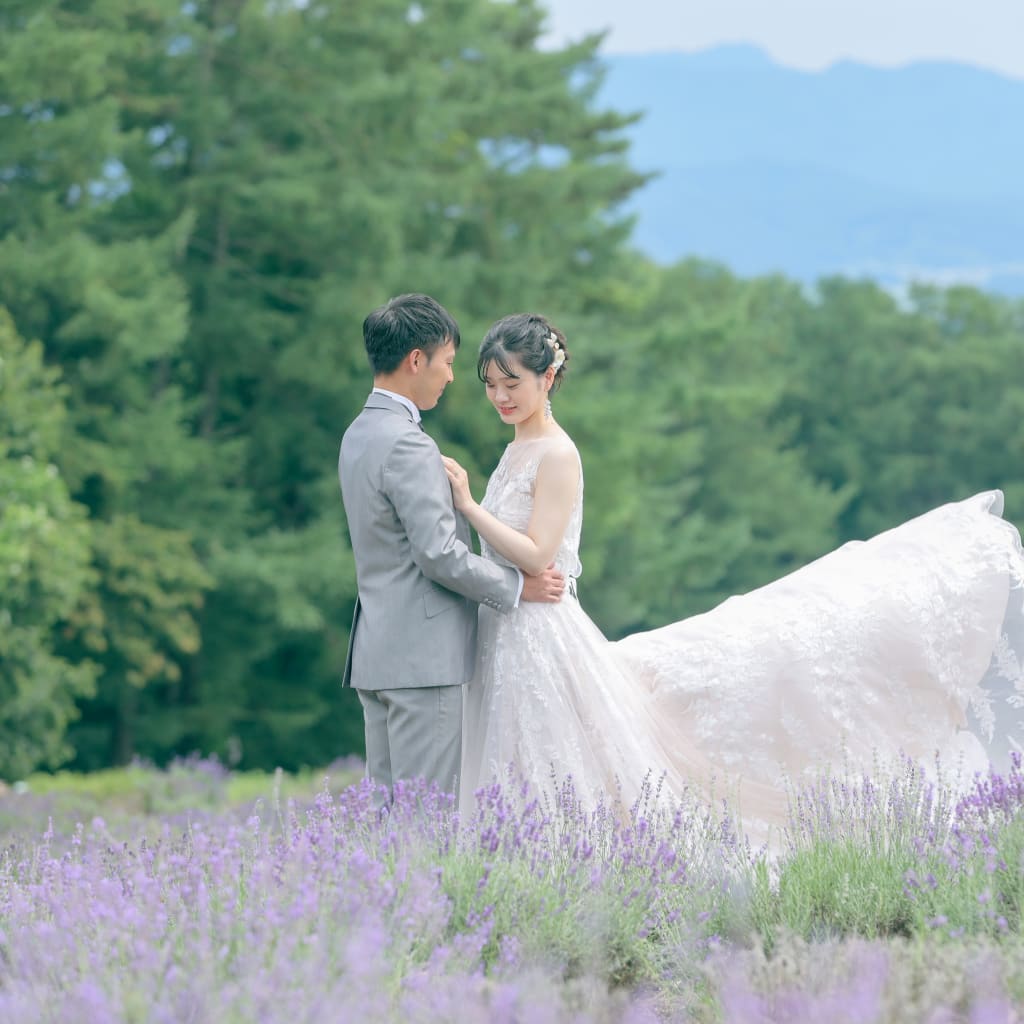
x=509, y=497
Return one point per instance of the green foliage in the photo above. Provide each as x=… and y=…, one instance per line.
x=841, y=888
x=907, y=406
x=138, y=625
x=675, y=410
x=837, y=889
x=44, y=563
x=974, y=888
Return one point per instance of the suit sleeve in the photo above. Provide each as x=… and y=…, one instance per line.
x=418, y=487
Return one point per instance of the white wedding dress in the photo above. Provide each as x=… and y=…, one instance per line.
x=908, y=643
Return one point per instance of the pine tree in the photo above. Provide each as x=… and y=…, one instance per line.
x=44, y=563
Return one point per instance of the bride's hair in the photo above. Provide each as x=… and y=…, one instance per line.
x=532, y=339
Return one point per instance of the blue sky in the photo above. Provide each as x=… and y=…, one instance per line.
x=809, y=34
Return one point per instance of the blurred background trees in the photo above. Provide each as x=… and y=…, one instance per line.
x=200, y=202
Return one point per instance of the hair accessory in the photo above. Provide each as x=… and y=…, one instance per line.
x=559, y=352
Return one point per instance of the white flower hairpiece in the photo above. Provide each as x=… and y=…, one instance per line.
x=552, y=341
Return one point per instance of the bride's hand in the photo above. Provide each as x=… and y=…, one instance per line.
x=459, y=479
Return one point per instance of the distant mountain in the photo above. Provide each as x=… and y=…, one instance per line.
x=899, y=174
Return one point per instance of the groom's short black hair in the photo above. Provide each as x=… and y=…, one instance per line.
x=403, y=323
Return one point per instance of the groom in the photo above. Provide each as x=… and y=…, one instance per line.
x=413, y=640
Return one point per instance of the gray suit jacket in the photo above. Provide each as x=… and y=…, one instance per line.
x=418, y=580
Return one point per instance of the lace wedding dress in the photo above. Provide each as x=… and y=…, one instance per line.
x=909, y=643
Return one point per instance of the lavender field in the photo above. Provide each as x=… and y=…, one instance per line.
x=182, y=896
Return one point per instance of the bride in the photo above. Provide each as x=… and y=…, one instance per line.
x=910, y=642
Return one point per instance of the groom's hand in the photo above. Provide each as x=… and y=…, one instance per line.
x=545, y=588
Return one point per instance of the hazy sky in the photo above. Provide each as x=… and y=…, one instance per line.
x=809, y=33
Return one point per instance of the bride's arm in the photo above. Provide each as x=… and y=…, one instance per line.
x=554, y=494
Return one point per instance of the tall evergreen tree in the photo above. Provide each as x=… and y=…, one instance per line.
x=113, y=314
x=44, y=563
x=906, y=405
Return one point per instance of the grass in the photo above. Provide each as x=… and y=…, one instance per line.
x=123, y=797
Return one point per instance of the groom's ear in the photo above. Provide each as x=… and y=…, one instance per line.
x=415, y=360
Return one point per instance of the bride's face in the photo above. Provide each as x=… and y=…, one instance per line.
x=518, y=394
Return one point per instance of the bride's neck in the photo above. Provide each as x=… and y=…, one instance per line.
x=533, y=430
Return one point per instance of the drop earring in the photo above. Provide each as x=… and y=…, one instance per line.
x=547, y=408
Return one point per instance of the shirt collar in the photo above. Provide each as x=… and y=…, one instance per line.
x=402, y=400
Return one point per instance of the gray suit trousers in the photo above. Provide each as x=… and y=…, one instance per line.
x=413, y=731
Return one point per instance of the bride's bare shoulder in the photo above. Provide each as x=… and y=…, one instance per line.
x=560, y=456
x=557, y=444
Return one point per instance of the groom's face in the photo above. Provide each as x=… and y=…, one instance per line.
x=434, y=374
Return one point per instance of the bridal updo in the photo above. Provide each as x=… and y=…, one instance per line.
x=528, y=337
